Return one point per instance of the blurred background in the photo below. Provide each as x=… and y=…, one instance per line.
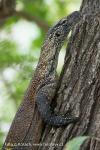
x=21, y=37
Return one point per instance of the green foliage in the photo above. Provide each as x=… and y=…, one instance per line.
x=75, y=143
x=8, y=54
x=19, y=57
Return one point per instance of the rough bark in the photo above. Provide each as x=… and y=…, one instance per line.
x=79, y=86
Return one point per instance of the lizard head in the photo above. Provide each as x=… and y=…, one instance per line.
x=60, y=31
x=55, y=39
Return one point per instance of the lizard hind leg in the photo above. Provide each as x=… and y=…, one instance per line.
x=48, y=116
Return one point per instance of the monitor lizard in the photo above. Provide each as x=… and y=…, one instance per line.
x=43, y=84
x=45, y=93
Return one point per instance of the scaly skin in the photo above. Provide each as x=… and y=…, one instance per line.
x=42, y=86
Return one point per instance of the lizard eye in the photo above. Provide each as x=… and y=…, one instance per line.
x=64, y=21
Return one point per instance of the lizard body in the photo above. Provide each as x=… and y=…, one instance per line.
x=43, y=84
x=45, y=93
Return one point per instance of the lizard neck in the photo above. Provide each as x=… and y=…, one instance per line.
x=48, y=59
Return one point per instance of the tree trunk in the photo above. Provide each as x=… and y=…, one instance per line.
x=79, y=86
x=80, y=82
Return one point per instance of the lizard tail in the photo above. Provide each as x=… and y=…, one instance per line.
x=48, y=116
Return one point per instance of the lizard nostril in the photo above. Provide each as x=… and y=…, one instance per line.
x=58, y=34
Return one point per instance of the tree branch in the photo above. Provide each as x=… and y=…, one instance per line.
x=6, y=8
x=30, y=17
